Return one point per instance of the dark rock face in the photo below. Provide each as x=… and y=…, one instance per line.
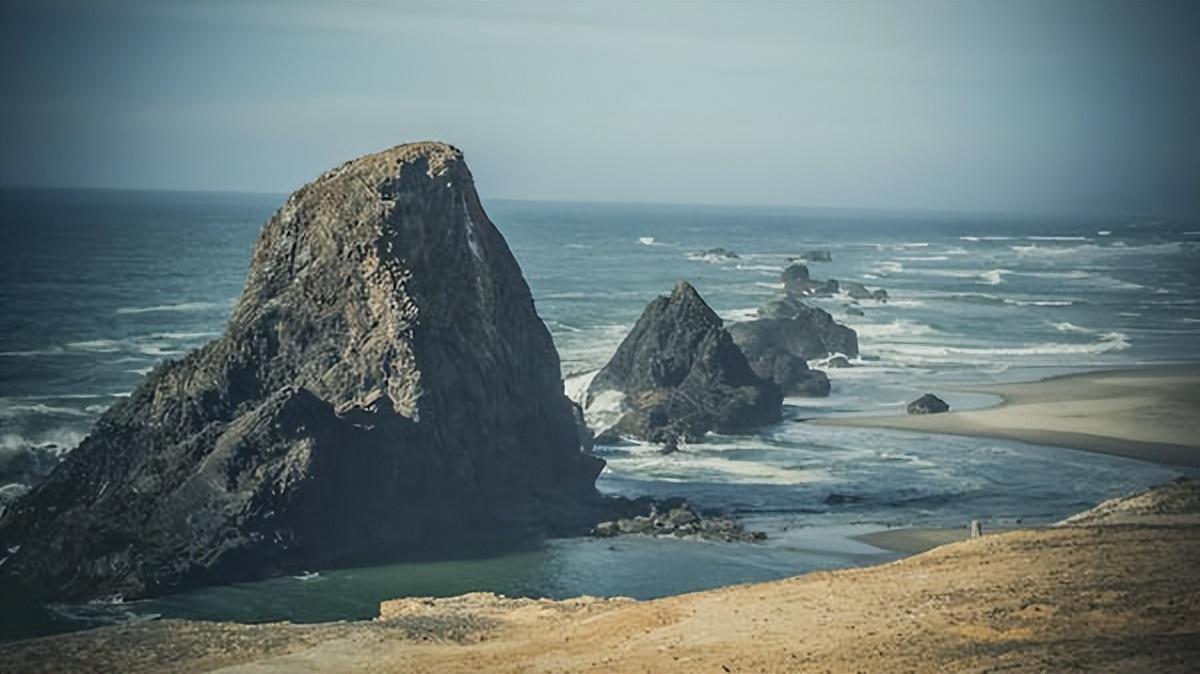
x=719, y=253
x=858, y=291
x=808, y=332
x=796, y=281
x=928, y=404
x=682, y=375
x=774, y=347
x=384, y=381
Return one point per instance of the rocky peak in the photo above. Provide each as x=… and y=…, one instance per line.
x=682, y=375
x=383, y=381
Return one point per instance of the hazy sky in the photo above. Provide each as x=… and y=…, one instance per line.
x=992, y=106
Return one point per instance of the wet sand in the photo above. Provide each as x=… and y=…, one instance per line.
x=1150, y=413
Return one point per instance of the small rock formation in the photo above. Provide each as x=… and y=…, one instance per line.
x=928, y=404
x=383, y=382
x=675, y=518
x=774, y=349
x=858, y=291
x=682, y=375
x=811, y=330
x=796, y=282
x=719, y=254
x=812, y=256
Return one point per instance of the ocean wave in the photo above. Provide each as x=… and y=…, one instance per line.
x=774, y=269
x=900, y=327
x=924, y=258
x=986, y=238
x=1039, y=303
x=96, y=346
x=10, y=410
x=1104, y=232
x=1106, y=342
x=59, y=441
x=1057, y=238
x=736, y=315
x=1071, y=327
x=184, y=306
x=888, y=267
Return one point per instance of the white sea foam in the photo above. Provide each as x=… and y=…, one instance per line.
x=1071, y=327
x=735, y=315
x=10, y=409
x=888, y=267
x=940, y=353
x=898, y=328
x=986, y=238
x=773, y=269
x=96, y=346
x=1103, y=232
x=184, y=306
x=924, y=258
x=1057, y=238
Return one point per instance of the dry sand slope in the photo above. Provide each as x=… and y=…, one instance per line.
x=1117, y=590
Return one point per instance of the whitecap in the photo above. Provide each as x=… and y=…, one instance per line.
x=900, y=327
x=924, y=258
x=185, y=306
x=96, y=346
x=1057, y=238
x=647, y=241
x=1103, y=232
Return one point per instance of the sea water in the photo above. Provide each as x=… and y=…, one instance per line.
x=96, y=287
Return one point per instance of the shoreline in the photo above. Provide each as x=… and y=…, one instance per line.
x=1149, y=413
x=1015, y=600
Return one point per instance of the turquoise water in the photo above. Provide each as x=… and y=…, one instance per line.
x=98, y=286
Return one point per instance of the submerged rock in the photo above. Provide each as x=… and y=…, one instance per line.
x=719, y=253
x=383, y=382
x=682, y=375
x=928, y=404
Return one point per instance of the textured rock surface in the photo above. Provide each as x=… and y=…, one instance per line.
x=811, y=331
x=682, y=375
x=383, y=382
x=928, y=404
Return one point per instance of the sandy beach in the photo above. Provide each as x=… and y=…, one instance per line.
x=1115, y=591
x=1152, y=414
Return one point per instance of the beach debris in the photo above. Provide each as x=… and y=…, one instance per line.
x=928, y=404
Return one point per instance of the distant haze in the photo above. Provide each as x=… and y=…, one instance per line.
x=1090, y=107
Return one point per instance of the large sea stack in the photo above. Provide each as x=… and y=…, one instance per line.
x=682, y=375
x=383, y=384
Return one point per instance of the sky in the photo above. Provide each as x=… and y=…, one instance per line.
x=983, y=106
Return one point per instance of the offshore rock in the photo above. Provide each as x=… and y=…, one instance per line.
x=809, y=331
x=384, y=384
x=682, y=375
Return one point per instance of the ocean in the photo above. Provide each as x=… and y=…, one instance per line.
x=96, y=287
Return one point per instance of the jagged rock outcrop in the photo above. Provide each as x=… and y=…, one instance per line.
x=797, y=282
x=384, y=383
x=928, y=404
x=771, y=349
x=811, y=331
x=858, y=291
x=682, y=375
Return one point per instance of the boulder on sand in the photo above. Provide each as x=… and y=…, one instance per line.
x=682, y=375
x=928, y=404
